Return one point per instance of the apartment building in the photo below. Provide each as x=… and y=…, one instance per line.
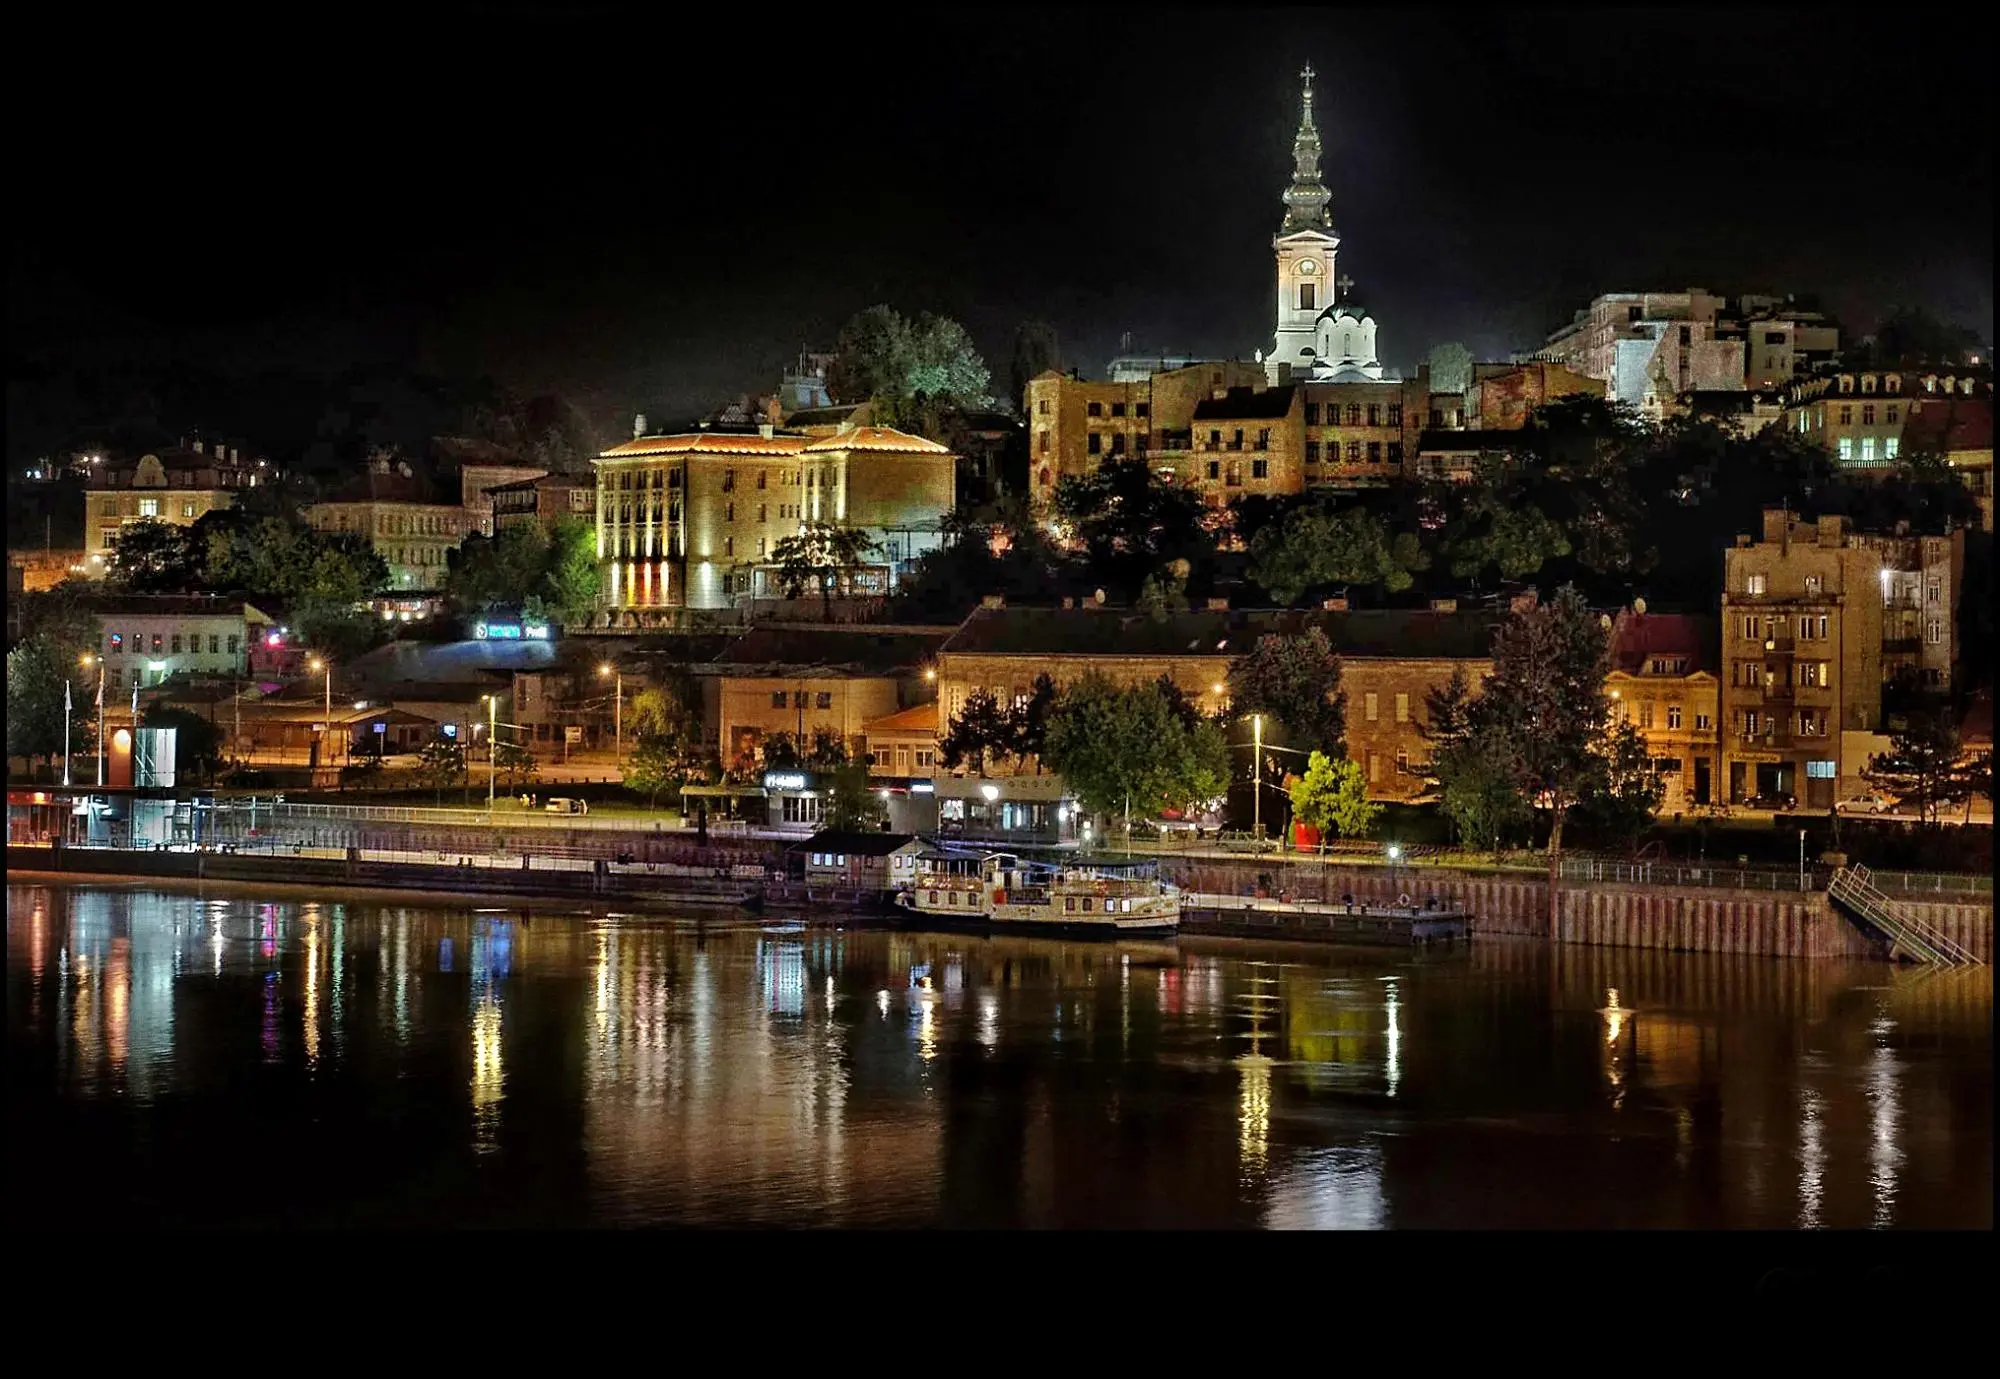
x=1802, y=649
x=152, y=638
x=179, y=484
x=1663, y=683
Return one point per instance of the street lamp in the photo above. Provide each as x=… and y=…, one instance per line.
x=1257, y=774
x=617, y=712
x=319, y=663
x=88, y=658
x=492, y=753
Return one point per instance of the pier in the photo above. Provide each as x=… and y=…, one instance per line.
x=1397, y=926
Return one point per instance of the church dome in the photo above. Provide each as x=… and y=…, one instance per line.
x=1339, y=309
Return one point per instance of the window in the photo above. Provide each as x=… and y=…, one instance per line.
x=1754, y=586
x=214, y=644
x=1142, y=409
x=1645, y=713
x=177, y=644
x=1353, y=414
x=1890, y=447
x=1312, y=452
x=1095, y=409
x=729, y=545
x=187, y=509
x=117, y=643
x=1236, y=443
x=1868, y=383
x=156, y=643
x=823, y=699
x=1214, y=469
x=1846, y=415
x=1891, y=414
x=1369, y=707
x=760, y=546
x=1264, y=438
x=799, y=699
x=729, y=512
x=1118, y=443
x=729, y=481
x=1395, y=414
x=1673, y=715
x=1042, y=407
x=1306, y=296
x=1374, y=414
x=1354, y=452
x=1820, y=770
x=1043, y=443
x=1702, y=723
x=149, y=507
x=1846, y=448
x=926, y=757
x=1867, y=450
x=1868, y=414
x=232, y=643
x=1749, y=723
x=1374, y=452
x=1095, y=444
x=1117, y=409
x=1214, y=440
x=1312, y=414
x=1395, y=452
x=1934, y=631
x=1374, y=767
x=1402, y=708
x=777, y=699
x=1234, y=478
x=1402, y=761
x=1260, y=469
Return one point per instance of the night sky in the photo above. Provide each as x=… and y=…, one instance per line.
x=638, y=213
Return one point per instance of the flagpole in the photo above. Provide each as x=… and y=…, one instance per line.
x=65, y=733
x=100, y=723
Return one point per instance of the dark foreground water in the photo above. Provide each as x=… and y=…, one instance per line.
x=183, y=1058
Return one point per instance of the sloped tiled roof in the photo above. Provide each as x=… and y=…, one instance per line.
x=1373, y=633
x=854, y=844
x=879, y=438
x=1246, y=404
x=781, y=650
x=1637, y=637
x=709, y=443
x=918, y=718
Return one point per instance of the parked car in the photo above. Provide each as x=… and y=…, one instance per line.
x=1777, y=800
x=1868, y=803
x=561, y=805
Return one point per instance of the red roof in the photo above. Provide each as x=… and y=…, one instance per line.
x=1638, y=637
x=1950, y=424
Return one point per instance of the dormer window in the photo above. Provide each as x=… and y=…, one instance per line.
x=1868, y=383
x=1846, y=384
x=1892, y=384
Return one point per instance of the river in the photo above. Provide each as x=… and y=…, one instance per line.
x=214, y=1057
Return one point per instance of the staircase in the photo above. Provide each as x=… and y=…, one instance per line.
x=1853, y=890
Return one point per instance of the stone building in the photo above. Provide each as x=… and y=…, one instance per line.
x=474, y=468
x=1502, y=397
x=404, y=517
x=179, y=484
x=1960, y=428
x=1802, y=643
x=149, y=639
x=1076, y=424
x=1390, y=660
x=1649, y=348
x=1863, y=416
x=1663, y=683
x=693, y=520
x=544, y=500
x=1921, y=578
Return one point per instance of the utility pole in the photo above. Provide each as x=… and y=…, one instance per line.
x=492, y=751
x=65, y=732
x=1257, y=774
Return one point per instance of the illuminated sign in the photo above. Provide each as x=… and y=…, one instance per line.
x=451, y=730
x=511, y=631
x=787, y=780
x=381, y=727
x=923, y=787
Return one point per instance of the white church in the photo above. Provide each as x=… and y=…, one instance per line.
x=1323, y=334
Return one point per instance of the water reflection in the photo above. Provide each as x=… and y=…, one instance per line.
x=614, y=1069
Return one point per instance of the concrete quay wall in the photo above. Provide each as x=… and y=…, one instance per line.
x=1683, y=919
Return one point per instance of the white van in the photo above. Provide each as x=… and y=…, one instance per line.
x=567, y=806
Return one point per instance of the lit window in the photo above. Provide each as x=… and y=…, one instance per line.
x=1370, y=707
x=1754, y=585
x=1890, y=446
x=149, y=507
x=1673, y=716
x=1402, y=708
x=1846, y=448
x=1867, y=450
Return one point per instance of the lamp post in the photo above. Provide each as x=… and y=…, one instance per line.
x=326, y=738
x=617, y=713
x=492, y=752
x=1257, y=775
x=88, y=658
x=65, y=732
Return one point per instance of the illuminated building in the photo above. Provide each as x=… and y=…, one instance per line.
x=178, y=485
x=150, y=638
x=402, y=516
x=1663, y=683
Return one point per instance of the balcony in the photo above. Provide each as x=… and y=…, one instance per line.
x=1902, y=646
x=1903, y=601
x=1779, y=739
x=1778, y=690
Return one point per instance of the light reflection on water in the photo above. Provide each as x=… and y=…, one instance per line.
x=567, y=1068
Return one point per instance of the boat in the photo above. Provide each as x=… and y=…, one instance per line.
x=1000, y=892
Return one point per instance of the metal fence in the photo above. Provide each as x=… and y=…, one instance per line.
x=1933, y=883
x=1696, y=874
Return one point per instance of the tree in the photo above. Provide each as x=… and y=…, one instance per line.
x=912, y=372
x=1131, y=749
x=197, y=742
x=441, y=763
x=820, y=553
x=851, y=802
x=1477, y=778
x=1910, y=337
x=573, y=582
x=1448, y=712
x=1544, y=708
x=1493, y=531
x=154, y=557
x=980, y=729
x=1922, y=765
x=1130, y=524
x=1036, y=352
x=1627, y=795
x=1296, y=680
x=35, y=673
x=1028, y=722
x=1333, y=796
x=1313, y=546
x=516, y=764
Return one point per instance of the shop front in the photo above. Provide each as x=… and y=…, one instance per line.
x=1006, y=809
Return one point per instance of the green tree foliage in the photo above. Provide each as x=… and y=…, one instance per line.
x=820, y=750
x=1332, y=797
x=1132, y=747
x=980, y=730
x=154, y=557
x=1131, y=525
x=516, y=764
x=999, y=549
x=1544, y=713
x=442, y=763
x=1028, y=722
x=1296, y=680
x=668, y=749
x=574, y=581
x=550, y=573
x=1477, y=775
x=197, y=742
x=1626, y=796
x=851, y=802
x=1491, y=533
x=1317, y=545
x=35, y=671
x=916, y=374
x=824, y=554
x=1036, y=351
x=1922, y=767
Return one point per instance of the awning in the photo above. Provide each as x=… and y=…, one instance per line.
x=725, y=791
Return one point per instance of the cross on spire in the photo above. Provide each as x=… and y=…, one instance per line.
x=1344, y=285
x=1308, y=75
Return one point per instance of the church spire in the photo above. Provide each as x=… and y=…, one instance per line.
x=1306, y=199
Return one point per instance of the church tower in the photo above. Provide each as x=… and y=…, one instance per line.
x=1319, y=332
x=1305, y=246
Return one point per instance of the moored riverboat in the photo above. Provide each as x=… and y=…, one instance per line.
x=1002, y=892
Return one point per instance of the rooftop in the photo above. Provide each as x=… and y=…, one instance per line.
x=877, y=438
x=778, y=445
x=854, y=844
x=1636, y=638
x=918, y=718
x=171, y=605
x=826, y=652
x=1416, y=634
x=1247, y=404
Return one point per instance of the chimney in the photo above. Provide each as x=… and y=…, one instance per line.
x=1775, y=522
x=1830, y=530
x=993, y=601
x=639, y=426
x=197, y=445
x=1444, y=605
x=765, y=429
x=1336, y=605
